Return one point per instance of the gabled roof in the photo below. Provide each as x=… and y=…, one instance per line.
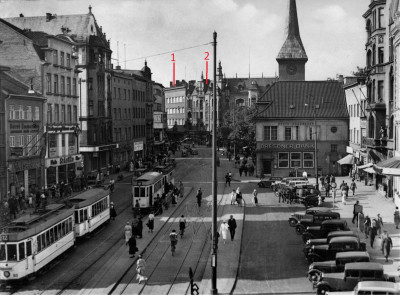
x=77, y=23
x=261, y=84
x=288, y=99
x=293, y=46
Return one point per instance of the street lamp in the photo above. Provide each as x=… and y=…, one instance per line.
x=315, y=142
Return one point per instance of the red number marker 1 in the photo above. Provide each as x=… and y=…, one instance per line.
x=206, y=59
x=173, y=69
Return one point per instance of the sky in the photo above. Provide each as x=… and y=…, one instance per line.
x=250, y=33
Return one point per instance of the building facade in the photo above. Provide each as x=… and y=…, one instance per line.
x=177, y=106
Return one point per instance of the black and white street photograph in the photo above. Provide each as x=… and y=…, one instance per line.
x=199, y=147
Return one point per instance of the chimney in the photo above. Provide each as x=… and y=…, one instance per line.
x=48, y=17
x=118, y=67
x=21, y=15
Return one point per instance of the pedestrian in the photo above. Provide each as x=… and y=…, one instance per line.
x=327, y=188
x=396, y=217
x=128, y=232
x=233, y=197
x=227, y=180
x=255, y=199
x=367, y=226
x=136, y=211
x=355, y=211
x=353, y=187
x=132, y=246
x=379, y=225
x=113, y=213
x=360, y=224
x=305, y=174
x=319, y=200
x=327, y=179
x=239, y=197
x=134, y=225
x=232, y=226
x=140, y=268
x=199, y=197
x=30, y=200
x=372, y=232
x=181, y=189
x=387, y=245
x=223, y=230
x=150, y=222
x=333, y=179
x=139, y=228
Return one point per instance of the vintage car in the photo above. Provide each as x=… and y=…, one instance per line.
x=184, y=153
x=322, y=231
x=316, y=269
x=269, y=182
x=331, y=235
x=338, y=244
x=372, y=288
x=313, y=220
x=297, y=216
x=353, y=273
x=194, y=151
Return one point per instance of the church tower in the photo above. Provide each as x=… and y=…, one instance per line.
x=292, y=57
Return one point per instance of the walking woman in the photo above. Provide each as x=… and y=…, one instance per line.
x=128, y=232
x=132, y=246
x=255, y=199
x=224, y=229
x=140, y=268
x=397, y=217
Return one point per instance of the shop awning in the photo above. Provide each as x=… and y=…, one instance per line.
x=376, y=156
x=347, y=160
x=370, y=170
x=391, y=171
x=365, y=166
x=389, y=163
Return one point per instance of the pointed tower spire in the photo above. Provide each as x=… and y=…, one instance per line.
x=292, y=56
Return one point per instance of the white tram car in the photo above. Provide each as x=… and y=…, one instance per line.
x=32, y=241
x=146, y=187
x=92, y=209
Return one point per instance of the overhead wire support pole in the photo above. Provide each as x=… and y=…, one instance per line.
x=214, y=289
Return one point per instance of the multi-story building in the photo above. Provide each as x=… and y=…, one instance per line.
x=48, y=63
x=177, y=105
x=160, y=118
x=380, y=91
x=22, y=141
x=94, y=64
x=301, y=125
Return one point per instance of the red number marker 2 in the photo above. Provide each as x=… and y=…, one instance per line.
x=206, y=59
x=173, y=69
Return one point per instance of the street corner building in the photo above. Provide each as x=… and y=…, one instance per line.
x=300, y=125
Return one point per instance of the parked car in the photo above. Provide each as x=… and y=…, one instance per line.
x=297, y=216
x=316, y=269
x=322, y=231
x=313, y=220
x=331, y=235
x=338, y=244
x=353, y=273
x=184, y=153
x=194, y=151
x=373, y=288
x=269, y=182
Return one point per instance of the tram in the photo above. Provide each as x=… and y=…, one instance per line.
x=168, y=172
x=92, y=209
x=32, y=241
x=146, y=187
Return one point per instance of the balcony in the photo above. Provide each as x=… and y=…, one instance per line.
x=376, y=106
x=384, y=143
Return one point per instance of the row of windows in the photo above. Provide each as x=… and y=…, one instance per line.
x=178, y=121
x=54, y=234
x=61, y=86
x=129, y=133
x=177, y=110
x=23, y=113
x=296, y=160
x=65, y=59
x=291, y=133
x=30, y=143
x=53, y=142
x=126, y=94
x=9, y=252
x=99, y=207
x=126, y=115
x=69, y=113
x=175, y=99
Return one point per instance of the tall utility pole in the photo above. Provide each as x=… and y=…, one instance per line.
x=214, y=289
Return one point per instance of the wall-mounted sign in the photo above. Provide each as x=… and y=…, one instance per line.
x=63, y=160
x=284, y=146
x=16, y=151
x=138, y=146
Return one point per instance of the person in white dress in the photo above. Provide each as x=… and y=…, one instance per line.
x=224, y=230
x=128, y=232
x=233, y=197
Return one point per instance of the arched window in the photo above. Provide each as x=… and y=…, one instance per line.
x=371, y=127
x=391, y=127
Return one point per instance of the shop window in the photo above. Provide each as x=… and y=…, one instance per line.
x=308, y=160
x=295, y=160
x=270, y=132
x=283, y=160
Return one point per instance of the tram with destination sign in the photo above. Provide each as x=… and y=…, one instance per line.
x=29, y=243
x=145, y=188
x=92, y=209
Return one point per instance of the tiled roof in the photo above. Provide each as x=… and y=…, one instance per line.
x=261, y=83
x=77, y=24
x=288, y=99
x=38, y=38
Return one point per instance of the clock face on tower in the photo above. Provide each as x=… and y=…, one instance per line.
x=291, y=69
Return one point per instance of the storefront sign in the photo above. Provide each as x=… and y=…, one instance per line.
x=16, y=151
x=61, y=128
x=138, y=146
x=23, y=127
x=107, y=147
x=26, y=164
x=297, y=123
x=286, y=146
x=63, y=160
x=52, y=152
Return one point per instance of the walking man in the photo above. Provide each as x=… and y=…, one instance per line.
x=387, y=245
x=367, y=226
x=379, y=225
x=356, y=210
x=227, y=180
x=353, y=187
x=199, y=196
x=372, y=232
x=232, y=227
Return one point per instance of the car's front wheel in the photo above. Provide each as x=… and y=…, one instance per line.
x=314, y=276
x=300, y=229
x=292, y=222
x=323, y=289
